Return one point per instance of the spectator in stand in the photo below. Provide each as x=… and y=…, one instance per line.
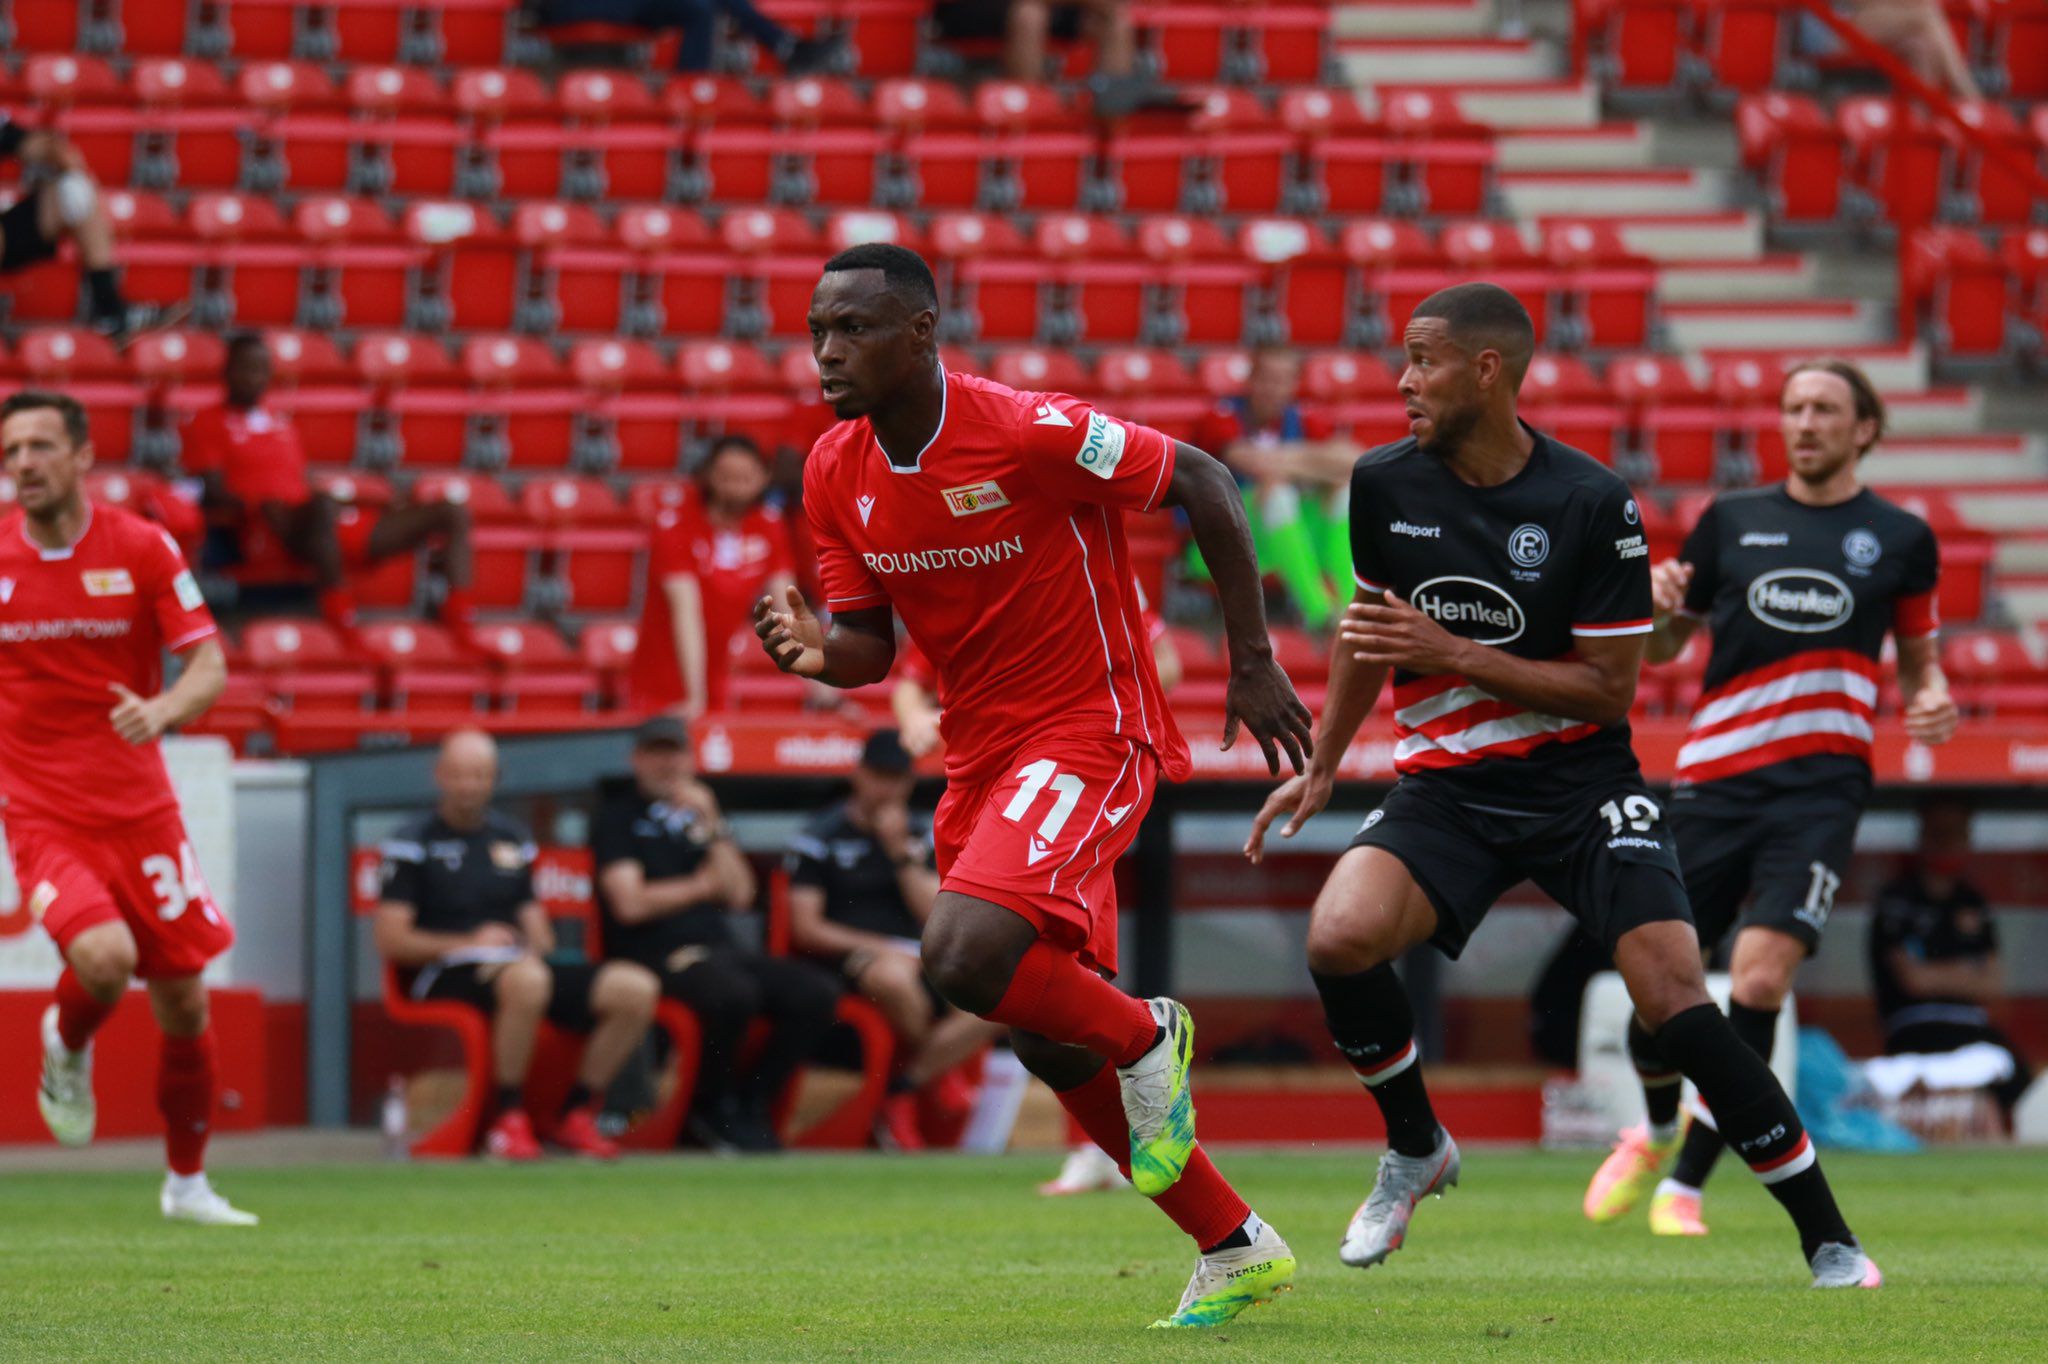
x=697, y=21
x=669, y=881
x=460, y=921
x=1027, y=27
x=59, y=199
x=253, y=469
x=1934, y=954
x=1918, y=31
x=861, y=881
x=711, y=559
x=1296, y=475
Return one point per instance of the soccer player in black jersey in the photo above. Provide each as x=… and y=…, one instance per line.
x=1503, y=580
x=1799, y=583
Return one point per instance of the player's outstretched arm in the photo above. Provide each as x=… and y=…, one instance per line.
x=1260, y=697
x=1596, y=682
x=144, y=719
x=1931, y=714
x=857, y=651
x=1354, y=686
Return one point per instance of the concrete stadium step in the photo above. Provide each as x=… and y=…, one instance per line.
x=1668, y=191
x=1894, y=369
x=2004, y=509
x=1692, y=238
x=1378, y=19
x=1937, y=412
x=1813, y=323
x=1605, y=146
x=1426, y=61
x=1769, y=279
x=1945, y=461
x=2025, y=599
x=2020, y=556
x=1539, y=104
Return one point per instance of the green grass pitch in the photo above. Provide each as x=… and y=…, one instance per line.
x=878, y=1258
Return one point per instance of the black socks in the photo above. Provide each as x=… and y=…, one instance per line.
x=1758, y=1029
x=1372, y=1024
x=1755, y=1118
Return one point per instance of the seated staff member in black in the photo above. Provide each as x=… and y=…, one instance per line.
x=669, y=880
x=1799, y=584
x=1934, y=954
x=1503, y=580
x=460, y=921
x=861, y=882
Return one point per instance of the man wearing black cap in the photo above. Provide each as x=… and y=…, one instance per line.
x=861, y=882
x=669, y=879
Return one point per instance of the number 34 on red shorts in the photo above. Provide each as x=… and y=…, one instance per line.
x=144, y=875
x=1043, y=838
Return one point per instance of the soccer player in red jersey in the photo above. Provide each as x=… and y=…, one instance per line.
x=90, y=598
x=247, y=454
x=710, y=558
x=991, y=521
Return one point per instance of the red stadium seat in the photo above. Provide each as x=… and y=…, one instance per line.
x=1344, y=151
x=358, y=272
x=1790, y=142
x=1565, y=400
x=778, y=253
x=1035, y=148
x=733, y=388
x=1999, y=196
x=307, y=667
x=1996, y=674
x=537, y=671
x=1199, y=284
x=1040, y=371
x=1606, y=288
x=1897, y=158
x=469, y=278
x=1154, y=387
x=519, y=407
x=607, y=648
x=545, y=232
x=678, y=273
x=592, y=538
x=1953, y=281
x=850, y=1124
x=630, y=409
x=1445, y=159
x=426, y=671
x=1302, y=271
x=1090, y=281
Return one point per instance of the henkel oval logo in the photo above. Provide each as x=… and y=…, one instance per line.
x=1804, y=601
x=1476, y=609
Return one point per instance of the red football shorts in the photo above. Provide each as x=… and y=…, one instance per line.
x=143, y=874
x=1043, y=838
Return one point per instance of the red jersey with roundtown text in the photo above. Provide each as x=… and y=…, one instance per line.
x=256, y=453
x=73, y=622
x=1002, y=551
x=732, y=565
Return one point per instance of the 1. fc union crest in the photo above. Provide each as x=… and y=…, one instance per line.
x=970, y=498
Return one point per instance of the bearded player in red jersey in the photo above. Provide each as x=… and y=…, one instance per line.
x=992, y=522
x=90, y=598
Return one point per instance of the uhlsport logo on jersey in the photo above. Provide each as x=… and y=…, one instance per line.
x=1804, y=601
x=1103, y=450
x=1478, y=610
x=970, y=498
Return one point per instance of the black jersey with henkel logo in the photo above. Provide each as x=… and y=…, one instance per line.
x=1554, y=553
x=1798, y=599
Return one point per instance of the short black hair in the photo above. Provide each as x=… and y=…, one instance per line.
x=243, y=340
x=1484, y=316
x=903, y=269
x=63, y=404
x=733, y=440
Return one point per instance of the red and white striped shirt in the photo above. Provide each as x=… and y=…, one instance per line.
x=1821, y=701
x=1445, y=721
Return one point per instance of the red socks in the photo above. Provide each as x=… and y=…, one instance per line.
x=458, y=608
x=79, y=1015
x=1201, y=1203
x=184, y=1095
x=1055, y=996
x=338, y=608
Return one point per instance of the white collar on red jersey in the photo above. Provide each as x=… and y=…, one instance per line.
x=916, y=466
x=44, y=552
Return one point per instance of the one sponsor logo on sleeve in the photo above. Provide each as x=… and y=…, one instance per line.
x=1103, y=449
x=1803, y=601
x=1631, y=547
x=186, y=587
x=1631, y=513
x=1470, y=607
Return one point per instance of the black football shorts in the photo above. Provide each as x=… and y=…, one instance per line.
x=568, y=1005
x=1785, y=855
x=1607, y=858
x=24, y=243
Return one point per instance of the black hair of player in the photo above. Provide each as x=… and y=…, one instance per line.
x=237, y=342
x=903, y=270
x=1869, y=406
x=1482, y=316
x=63, y=404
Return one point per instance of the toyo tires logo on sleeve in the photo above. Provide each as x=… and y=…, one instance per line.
x=1471, y=607
x=1804, y=601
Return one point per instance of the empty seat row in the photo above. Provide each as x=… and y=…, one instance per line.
x=1979, y=296
x=1877, y=158
x=605, y=135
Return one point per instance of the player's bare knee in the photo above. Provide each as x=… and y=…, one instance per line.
x=1666, y=991
x=525, y=984
x=1343, y=945
x=627, y=989
x=1759, y=985
x=104, y=961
